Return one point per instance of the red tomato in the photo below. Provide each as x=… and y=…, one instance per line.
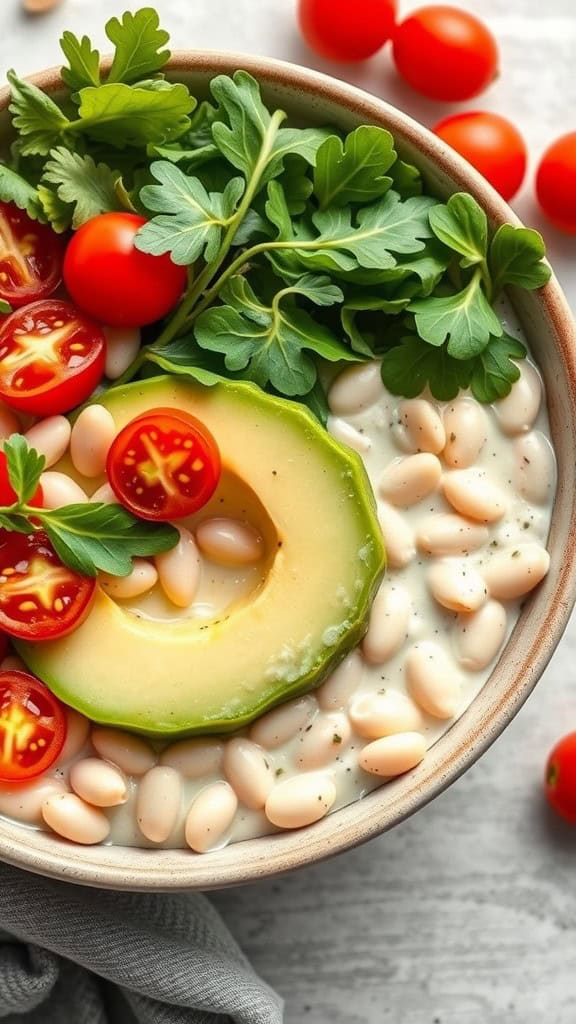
x=7, y=493
x=556, y=183
x=339, y=30
x=40, y=598
x=32, y=727
x=164, y=465
x=30, y=257
x=560, y=779
x=3, y=646
x=491, y=144
x=445, y=53
x=112, y=280
x=51, y=358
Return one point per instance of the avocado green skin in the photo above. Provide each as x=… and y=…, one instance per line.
x=373, y=556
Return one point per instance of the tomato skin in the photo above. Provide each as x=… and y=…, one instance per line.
x=109, y=278
x=45, y=387
x=145, y=448
x=556, y=183
x=491, y=144
x=339, y=31
x=30, y=257
x=7, y=493
x=33, y=727
x=31, y=574
x=445, y=53
x=560, y=778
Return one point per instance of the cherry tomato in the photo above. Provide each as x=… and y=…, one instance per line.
x=445, y=53
x=7, y=493
x=560, y=778
x=108, y=277
x=491, y=144
x=3, y=646
x=164, y=465
x=556, y=183
x=51, y=358
x=341, y=31
x=40, y=597
x=30, y=257
x=32, y=727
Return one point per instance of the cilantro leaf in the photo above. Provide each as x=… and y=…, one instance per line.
x=516, y=257
x=353, y=171
x=15, y=189
x=466, y=319
x=462, y=225
x=494, y=372
x=36, y=117
x=137, y=39
x=83, y=62
x=411, y=366
x=191, y=220
x=89, y=188
x=24, y=466
x=124, y=115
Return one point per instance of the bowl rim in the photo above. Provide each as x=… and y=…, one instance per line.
x=500, y=698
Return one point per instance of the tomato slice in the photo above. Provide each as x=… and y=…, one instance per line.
x=51, y=358
x=7, y=493
x=164, y=465
x=40, y=597
x=31, y=257
x=32, y=727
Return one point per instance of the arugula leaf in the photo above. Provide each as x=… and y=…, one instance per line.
x=353, y=171
x=15, y=189
x=24, y=466
x=184, y=358
x=406, y=179
x=56, y=212
x=83, y=62
x=191, y=220
x=317, y=402
x=89, y=188
x=127, y=115
x=494, y=372
x=466, y=319
x=462, y=225
x=516, y=257
x=137, y=39
x=358, y=303
x=411, y=366
x=36, y=117
x=296, y=184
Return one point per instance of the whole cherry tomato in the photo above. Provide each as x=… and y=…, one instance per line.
x=30, y=257
x=343, y=31
x=491, y=144
x=32, y=727
x=560, y=778
x=556, y=183
x=445, y=53
x=109, y=278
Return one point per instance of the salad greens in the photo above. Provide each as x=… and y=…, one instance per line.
x=305, y=246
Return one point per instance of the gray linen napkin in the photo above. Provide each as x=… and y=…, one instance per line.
x=72, y=955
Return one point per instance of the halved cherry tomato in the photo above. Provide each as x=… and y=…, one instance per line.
x=30, y=257
x=339, y=30
x=108, y=277
x=556, y=183
x=7, y=493
x=51, y=358
x=32, y=727
x=3, y=646
x=40, y=597
x=491, y=144
x=164, y=465
x=560, y=779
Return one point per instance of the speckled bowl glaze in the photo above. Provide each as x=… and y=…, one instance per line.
x=314, y=98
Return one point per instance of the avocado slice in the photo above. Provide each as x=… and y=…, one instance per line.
x=325, y=559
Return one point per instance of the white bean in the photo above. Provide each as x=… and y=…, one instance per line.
x=432, y=680
x=194, y=758
x=300, y=800
x=472, y=494
x=179, y=570
x=70, y=817
x=130, y=753
x=388, y=624
x=98, y=782
x=158, y=803
x=422, y=424
x=355, y=389
x=50, y=437
x=139, y=581
x=23, y=801
x=517, y=412
x=104, y=494
x=92, y=435
x=122, y=347
x=457, y=586
x=282, y=723
x=398, y=536
x=393, y=755
x=59, y=489
x=516, y=570
x=407, y=481
x=12, y=663
x=229, y=542
x=347, y=434
x=324, y=740
x=9, y=422
x=77, y=733
x=374, y=715
x=210, y=816
x=534, y=470
x=336, y=691
x=466, y=427
x=248, y=772
x=450, y=534
x=479, y=637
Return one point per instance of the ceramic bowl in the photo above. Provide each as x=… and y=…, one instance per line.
x=310, y=97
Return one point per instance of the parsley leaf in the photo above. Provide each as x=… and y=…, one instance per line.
x=24, y=466
x=124, y=115
x=15, y=189
x=56, y=212
x=466, y=319
x=516, y=257
x=462, y=225
x=88, y=187
x=353, y=171
x=83, y=62
x=38, y=120
x=494, y=372
x=137, y=39
x=413, y=365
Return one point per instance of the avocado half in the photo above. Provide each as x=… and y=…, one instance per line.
x=325, y=559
